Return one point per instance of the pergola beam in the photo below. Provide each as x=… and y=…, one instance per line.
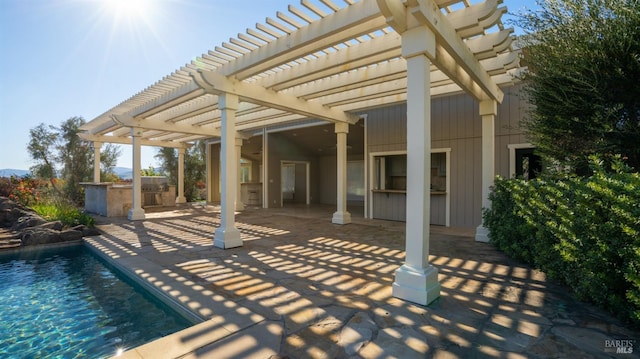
x=129, y=121
x=214, y=82
x=452, y=55
x=129, y=141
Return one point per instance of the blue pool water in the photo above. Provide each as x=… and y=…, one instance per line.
x=66, y=303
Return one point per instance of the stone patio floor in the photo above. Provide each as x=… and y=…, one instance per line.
x=301, y=287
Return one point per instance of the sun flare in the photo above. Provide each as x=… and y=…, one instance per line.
x=131, y=9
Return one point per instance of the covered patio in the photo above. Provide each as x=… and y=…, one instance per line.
x=301, y=288
x=328, y=63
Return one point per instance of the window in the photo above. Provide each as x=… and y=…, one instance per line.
x=288, y=181
x=439, y=172
x=391, y=172
x=245, y=171
x=528, y=164
x=523, y=162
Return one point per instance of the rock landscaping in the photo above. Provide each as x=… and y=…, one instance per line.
x=21, y=226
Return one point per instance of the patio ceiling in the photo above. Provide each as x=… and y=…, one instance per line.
x=319, y=60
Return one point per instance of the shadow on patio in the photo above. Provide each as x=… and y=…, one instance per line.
x=302, y=287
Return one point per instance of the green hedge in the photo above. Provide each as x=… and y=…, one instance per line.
x=582, y=231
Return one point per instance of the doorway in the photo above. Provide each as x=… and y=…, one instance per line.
x=295, y=182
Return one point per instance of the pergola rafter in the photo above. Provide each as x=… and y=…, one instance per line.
x=314, y=58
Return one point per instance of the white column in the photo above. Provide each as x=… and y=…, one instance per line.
x=136, y=212
x=181, y=198
x=96, y=161
x=239, y=204
x=265, y=169
x=227, y=235
x=488, y=111
x=417, y=280
x=342, y=216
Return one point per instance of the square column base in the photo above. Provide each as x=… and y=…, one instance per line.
x=341, y=218
x=482, y=234
x=419, y=286
x=240, y=206
x=227, y=238
x=181, y=200
x=136, y=214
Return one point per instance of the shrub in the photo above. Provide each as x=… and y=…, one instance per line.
x=24, y=190
x=582, y=231
x=5, y=187
x=63, y=211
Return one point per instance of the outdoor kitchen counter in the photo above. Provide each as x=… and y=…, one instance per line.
x=115, y=200
x=107, y=198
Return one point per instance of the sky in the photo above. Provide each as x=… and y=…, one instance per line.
x=66, y=58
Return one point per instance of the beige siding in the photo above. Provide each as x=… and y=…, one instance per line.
x=328, y=180
x=390, y=206
x=508, y=129
x=456, y=124
x=387, y=129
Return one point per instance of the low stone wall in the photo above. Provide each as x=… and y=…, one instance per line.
x=21, y=226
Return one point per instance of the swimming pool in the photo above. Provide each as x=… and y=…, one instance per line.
x=65, y=302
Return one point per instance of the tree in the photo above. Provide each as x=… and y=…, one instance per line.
x=194, y=167
x=60, y=152
x=76, y=157
x=41, y=147
x=584, y=66
x=108, y=159
x=168, y=158
x=195, y=170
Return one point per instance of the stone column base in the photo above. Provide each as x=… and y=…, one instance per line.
x=341, y=218
x=482, y=234
x=181, y=200
x=227, y=238
x=419, y=286
x=136, y=214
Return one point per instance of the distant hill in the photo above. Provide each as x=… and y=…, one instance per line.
x=123, y=172
x=127, y=173
x=8, y=172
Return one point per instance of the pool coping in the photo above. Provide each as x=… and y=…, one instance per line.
x=43, y=246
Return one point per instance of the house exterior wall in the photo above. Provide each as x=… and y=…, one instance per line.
x=281, y=149
x=456, y=124
x=328, y=178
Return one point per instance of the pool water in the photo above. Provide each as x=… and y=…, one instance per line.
x=66, y=303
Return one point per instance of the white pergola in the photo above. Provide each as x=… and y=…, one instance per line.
x=327, y=62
